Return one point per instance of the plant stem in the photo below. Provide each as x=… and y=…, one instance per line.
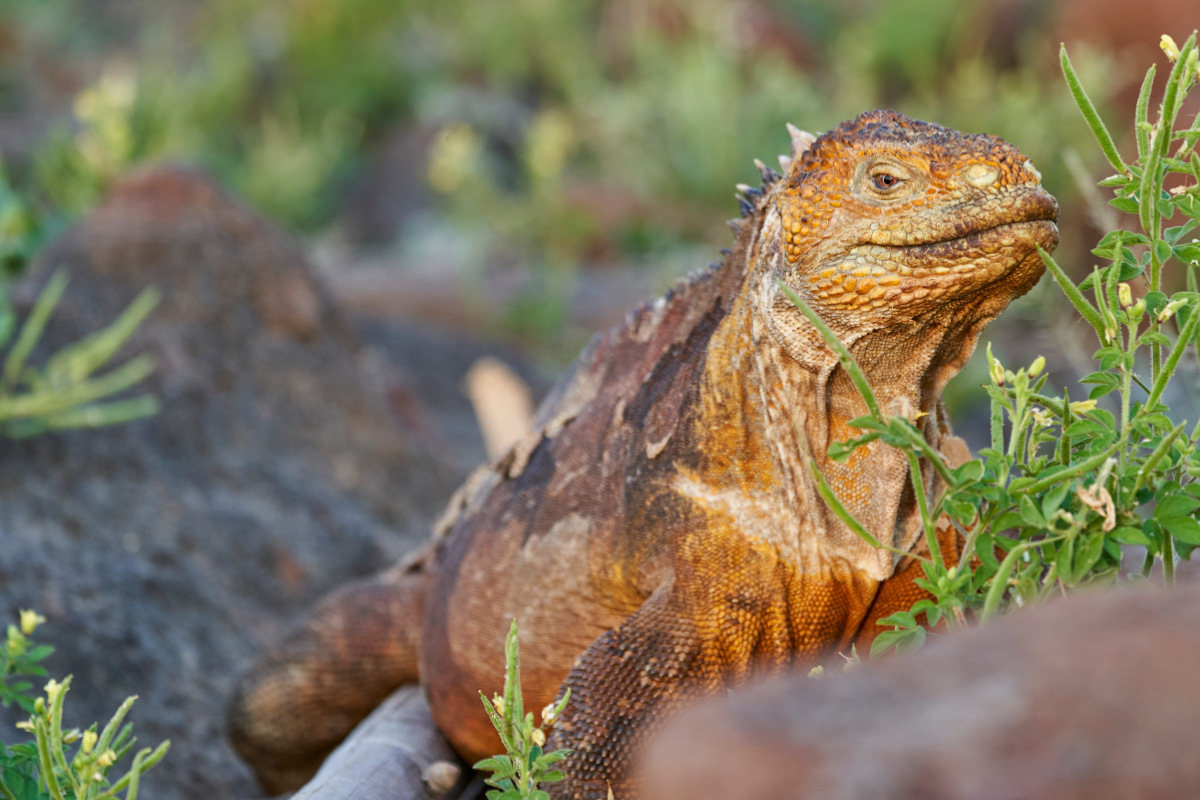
x=927, y=522
x=1168, y=557
x=1000, y=581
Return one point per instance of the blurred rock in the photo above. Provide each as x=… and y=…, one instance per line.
x=1093, y=696
x=288, y=458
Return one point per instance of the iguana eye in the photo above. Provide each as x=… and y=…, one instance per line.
x=885, y=181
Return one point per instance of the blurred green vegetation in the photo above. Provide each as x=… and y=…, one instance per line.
x=561, y=133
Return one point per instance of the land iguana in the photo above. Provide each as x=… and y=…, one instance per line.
x=659, y=534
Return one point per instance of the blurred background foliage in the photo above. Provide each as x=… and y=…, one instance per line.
x=514, y=151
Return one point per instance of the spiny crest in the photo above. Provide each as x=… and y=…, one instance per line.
x=748, y=197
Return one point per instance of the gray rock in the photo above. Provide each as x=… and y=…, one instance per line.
x=288, y=458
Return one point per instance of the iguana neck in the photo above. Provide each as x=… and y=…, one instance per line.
x=791, y=401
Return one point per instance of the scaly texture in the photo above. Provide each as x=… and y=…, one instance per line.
x=659, y=534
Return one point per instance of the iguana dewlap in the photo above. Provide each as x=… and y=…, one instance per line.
x=659, y=535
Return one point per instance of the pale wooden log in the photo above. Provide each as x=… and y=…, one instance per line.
x=503, y=404
x=394, y=754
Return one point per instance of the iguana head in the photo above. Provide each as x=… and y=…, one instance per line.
x=886, y=219
x=907, y=238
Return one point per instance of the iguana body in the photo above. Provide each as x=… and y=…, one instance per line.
x=659, y=534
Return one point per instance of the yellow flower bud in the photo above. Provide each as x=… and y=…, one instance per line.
x=106, y=758
x=1125, y=295
x=997, y=372
x=1082, y=406
x=30, y=620
x=1037, y=366
x=538, y=737
x=498, y=703
x=52, y=689
x=89, y=741
x=1169, y=47
x=548, y=715
x=71, y=736
x=1171, y=308
x=26, y=725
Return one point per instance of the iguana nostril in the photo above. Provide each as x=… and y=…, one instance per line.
x=981, y=176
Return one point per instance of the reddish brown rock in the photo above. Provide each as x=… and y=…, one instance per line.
x=1094, y=696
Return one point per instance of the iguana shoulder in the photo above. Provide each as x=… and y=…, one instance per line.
x=608, y=375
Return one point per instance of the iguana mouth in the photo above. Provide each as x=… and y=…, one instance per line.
x=877, y=275
x=1016, y=205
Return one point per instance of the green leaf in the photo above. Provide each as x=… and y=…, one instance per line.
x=1185, y=529
x=899, y=639
x=1088, y=554
x=1162, y=251
x=39, y=652
x=1106, y=247
x=1128, y=535
x=533, y=755
x=1088, y=109
x=1173, y=235
x=1178, y=505
x=1030, y=514
x=1141, y=117
x=497, y=722
x=1125, y=204
x=867, y=424
x=901, y=619
x=1009, y=519
x=1188, y=253
x=1081, y=303
x=963, y=512
x=1089, y=428
x=1064, y=561
x=933, y=616
x=968, y=473
x=501, y=765
x=841, y=451
x=1106, y=379
x=1053, y=499
x=1155, y=302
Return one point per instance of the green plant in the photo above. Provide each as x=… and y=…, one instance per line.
x=67, y=392
x=517, y=774
x=1048, y=506
x=45, y=768
x=21, y=657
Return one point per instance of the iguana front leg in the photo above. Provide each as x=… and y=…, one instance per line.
x=621, y=687
x=734, y=613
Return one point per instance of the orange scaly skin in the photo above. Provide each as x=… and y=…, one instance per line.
x=659, y=535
